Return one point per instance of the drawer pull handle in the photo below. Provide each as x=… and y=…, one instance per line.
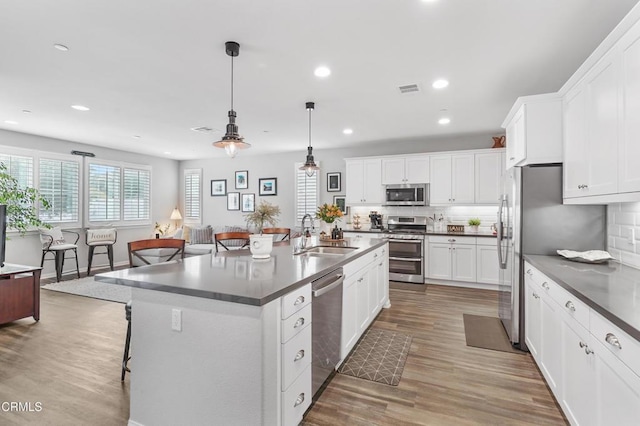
x=299, y=400
x=587, y=350
x=535, y=295
x=570, y=306
x=545, y=285
x=375, y=255
x=360, y=279
x=583, y=345
x=299, y=355
x=613, y=340
x=299, y=322
x=299, y=300
x=380, y=264
x=529, y=272
x=512, y=158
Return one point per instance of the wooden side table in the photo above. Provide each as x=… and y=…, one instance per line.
x=19, y=292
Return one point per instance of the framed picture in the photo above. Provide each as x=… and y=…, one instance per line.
x=341, y=202
x=233, y=201
x=242, y=179
x=219, y=188
x=334, y=182
x=268, y=186
x=248, y=202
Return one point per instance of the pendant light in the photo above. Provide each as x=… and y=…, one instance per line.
x=310, y=166
x=232, y=141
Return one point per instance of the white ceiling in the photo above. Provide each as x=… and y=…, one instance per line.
x=156, y=68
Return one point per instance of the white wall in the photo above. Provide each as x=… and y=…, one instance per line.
x=281, y=166
x=164, y=197
x=624, y=218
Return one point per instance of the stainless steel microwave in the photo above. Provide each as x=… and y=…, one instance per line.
x=407, y=195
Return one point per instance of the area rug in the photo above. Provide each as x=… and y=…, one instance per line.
x=89, y=287
x=379, y=356
x=487, y=333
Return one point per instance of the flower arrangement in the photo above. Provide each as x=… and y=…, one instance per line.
x=329, y=213
x=265, y=214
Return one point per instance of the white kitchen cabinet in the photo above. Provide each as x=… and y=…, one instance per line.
x=374, y=299
x=452, y=258
x=463, y=262
x=452, y=179
x=439, y=261
x=487, y=268
x=534, y=130
x=576, y=162
x=551, y=339
x=364, y=181
x=405, y=170
x=362, y=295
x=383, y=280
x=350, y=327
x=532, y=321
x=488, y=174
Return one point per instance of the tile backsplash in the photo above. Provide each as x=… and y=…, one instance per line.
x=453, y=215
x=623, y=230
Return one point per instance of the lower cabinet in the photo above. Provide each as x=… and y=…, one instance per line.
x=589, y=364
x=452, y=258
x=487, y=268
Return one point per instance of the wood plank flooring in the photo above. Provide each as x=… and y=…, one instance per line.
x=70, y=362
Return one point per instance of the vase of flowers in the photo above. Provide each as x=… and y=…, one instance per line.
x=261, y=245
x=328, y=214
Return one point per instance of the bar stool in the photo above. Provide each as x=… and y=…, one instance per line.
x=127, y=342
x=53, y=241
x=285, y=232
x=105, y=237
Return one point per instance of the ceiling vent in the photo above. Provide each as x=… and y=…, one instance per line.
x=409, y=88
x=204, y=129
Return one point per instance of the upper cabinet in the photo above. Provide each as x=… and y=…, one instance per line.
x=489, y=168
x=602, y=127
x=452, y=179
x=364, y=181
x=534, y=130
x=409, y=170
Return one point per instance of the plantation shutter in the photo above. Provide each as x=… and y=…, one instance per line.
x=137, y=194
x=306, y=193
x=104, y=192
x=21, y=168
x=59, y=183
x=192, y=187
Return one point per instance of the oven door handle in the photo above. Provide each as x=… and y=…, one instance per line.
x=409, y=241
x=407, y=259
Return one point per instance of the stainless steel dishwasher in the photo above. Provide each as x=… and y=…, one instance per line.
x=326, y=326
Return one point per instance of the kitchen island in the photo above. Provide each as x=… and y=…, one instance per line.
x=226, y=339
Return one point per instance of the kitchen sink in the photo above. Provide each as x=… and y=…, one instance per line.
x=330, y=250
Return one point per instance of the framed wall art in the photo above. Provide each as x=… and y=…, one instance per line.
x=219, y=188
x=341, y=202
x=334, y=183
x=248, y=202
x=242, y=179
x=268, y=186
x=233, y=201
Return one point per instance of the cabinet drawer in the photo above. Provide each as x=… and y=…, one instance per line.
x=296, y=300
x=535, y=275
x=451, y=239
x=487, y=241
x=296, y=356
x=297, y=399
x=296, y=323
x=352, y=268
x=623, y=346
x=569, y=303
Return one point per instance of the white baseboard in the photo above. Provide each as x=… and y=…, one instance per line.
x=481, y=286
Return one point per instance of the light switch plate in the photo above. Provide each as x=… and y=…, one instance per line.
x=176, y=319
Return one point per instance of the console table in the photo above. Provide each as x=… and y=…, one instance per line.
x=19, y=292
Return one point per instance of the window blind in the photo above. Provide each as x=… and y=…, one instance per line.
x=306, y=193
x=59, y=183
x=104, y=192
x=192, y=191
x=137, y=194
x=20, y=167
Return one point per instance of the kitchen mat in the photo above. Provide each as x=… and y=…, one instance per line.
x=379, y=356
x=487, y=333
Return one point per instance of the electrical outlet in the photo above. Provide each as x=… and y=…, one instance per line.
x=176, y=319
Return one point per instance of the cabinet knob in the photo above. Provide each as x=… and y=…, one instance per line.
x=588, y=350
x=582, y=345
x=535, y=295
x=545, y=285
x=375, y=255
x=585, y=186
x=613, y=340
x=380, y=264
x=299, y=323
x=569, y=305
x=529, y=272
x=299, y=400
x=299, y=300
x=360, y=280
x=299, y=355
x=512, y=158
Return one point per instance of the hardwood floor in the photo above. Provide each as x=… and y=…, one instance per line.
x=70, y=363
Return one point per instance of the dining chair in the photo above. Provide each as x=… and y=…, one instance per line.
x=285, y=232
x=232, y=239
x=103, y=237
x=54, y=242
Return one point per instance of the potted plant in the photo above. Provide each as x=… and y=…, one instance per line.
x=474, y=222
x=261, y=245
x=328, y=213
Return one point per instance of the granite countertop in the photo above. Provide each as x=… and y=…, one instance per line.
x=427, y=233
x=234, y=276
x=611, y=289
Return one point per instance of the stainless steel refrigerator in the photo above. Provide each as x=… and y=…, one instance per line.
x=533, y=220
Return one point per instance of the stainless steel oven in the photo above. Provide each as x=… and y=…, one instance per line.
x=406, y=259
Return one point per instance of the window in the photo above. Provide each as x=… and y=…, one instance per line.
x=137, y=190
x=59, y=183
x=20, y=167
x=306, y=193
x=192, y=194
x=104, y=193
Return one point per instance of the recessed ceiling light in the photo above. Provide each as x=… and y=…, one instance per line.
x=26, y=111
x=61, y=47
x=167, y=152
x=444, y=120
x=137, y=136
x=10, y=122
x=80, y=107
x=440, y=84
x=347, y=131
x=322, y=72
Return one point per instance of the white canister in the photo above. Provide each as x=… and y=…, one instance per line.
x=261, y=246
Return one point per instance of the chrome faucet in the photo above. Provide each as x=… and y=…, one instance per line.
x=305, y=230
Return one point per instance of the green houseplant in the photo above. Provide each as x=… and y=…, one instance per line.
x=265, y=214
x=21, y=203
x=474, y=222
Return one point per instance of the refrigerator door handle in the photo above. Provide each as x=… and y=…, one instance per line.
x=499, y=236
